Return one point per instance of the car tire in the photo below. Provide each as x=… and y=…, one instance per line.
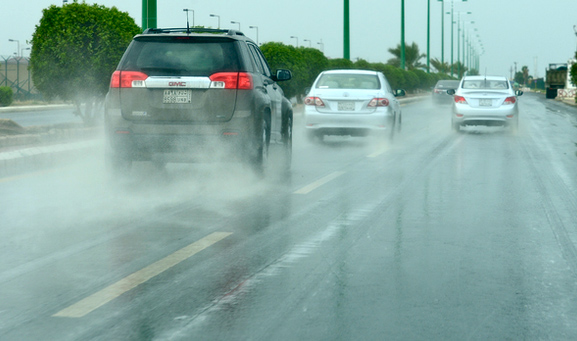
x=287, y=139
x=515, y=125
x=260, y=157
x=456, y=126
x=393, y=126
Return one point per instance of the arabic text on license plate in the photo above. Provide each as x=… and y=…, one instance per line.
x=346, y=106
x=177, y=96
x=485, y=102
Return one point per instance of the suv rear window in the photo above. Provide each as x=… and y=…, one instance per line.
x=186, y=56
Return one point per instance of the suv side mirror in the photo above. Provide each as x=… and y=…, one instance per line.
x=282, y=75
x=451, y=92
x=518, y=92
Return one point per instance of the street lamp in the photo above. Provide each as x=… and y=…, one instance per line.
x=442, y=32
x=308, y=41
x=23, y=49
x=465, y=41
x=218, y=17
x=18, y=42
x=189, y=10
x=256, y=28
x=452, y=33
x=236, y=22
x=322, y=45
x=459, y=41
x=575, y=29
x=297, y=38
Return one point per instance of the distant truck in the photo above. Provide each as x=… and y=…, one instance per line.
x=555, y=79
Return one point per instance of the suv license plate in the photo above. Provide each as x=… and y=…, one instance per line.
x=346, y=106
x=177, y=96
x=485, y=102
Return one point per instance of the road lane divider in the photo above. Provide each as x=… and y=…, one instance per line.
x=311, y=187
x=128, y=283
x=377, y=153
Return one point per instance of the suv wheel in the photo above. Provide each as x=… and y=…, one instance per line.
x=261, y=156
x=287, y=139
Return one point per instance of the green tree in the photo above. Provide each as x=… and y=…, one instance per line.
x=340, y=63
x=75, y=49
x=518, y=77
x=412, y=56
x=440, y=67
x=573, y=74
x=525, y=71
x=6, y=96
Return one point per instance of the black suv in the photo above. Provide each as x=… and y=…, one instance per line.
x=187, y=95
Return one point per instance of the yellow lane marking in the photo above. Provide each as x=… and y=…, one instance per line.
x=309, y=188
x=108, y=294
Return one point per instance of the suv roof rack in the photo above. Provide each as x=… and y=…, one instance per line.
x=192, y=30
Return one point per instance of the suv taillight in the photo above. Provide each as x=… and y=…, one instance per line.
x=378, y=102
x=127, y=79
x=232, y=80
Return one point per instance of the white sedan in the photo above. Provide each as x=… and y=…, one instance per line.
x=485, y=100
x=351, y=102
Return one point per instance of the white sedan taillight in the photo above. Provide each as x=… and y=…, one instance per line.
x=510, y=100
x=460, y=99
x=317, y=102
x=378, y=102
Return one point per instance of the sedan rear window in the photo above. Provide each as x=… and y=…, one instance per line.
x=348, y=81
x=485, y=84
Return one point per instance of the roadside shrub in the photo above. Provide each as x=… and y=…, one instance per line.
x=6, y=96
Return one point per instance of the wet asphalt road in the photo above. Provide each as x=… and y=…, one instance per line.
x=437, y=235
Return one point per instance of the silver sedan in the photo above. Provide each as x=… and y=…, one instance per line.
x=485, y=100
x=351, y=102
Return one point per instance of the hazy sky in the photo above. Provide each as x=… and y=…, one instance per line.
x=532, y=33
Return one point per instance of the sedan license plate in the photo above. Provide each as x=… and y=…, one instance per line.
x=346, y=106
x=485, y=102
x=177, y=96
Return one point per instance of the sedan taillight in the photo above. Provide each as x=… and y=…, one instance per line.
x=460, y=100
x=128, y=79
x=378, y=102
x=510, y=100
x=317, y=102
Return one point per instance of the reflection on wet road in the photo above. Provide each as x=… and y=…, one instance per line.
x=435, y=235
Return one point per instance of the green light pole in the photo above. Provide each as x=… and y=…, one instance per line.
x=452, y=33
x=403, y=34
x=442, y=31
x=148, y=14
x=346, y=32
x=428, y=36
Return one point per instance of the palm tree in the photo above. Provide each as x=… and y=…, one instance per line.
x=525, y=71
x=441, y=67
x=412, y=56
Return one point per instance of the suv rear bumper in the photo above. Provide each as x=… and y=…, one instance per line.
x=180, y=142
